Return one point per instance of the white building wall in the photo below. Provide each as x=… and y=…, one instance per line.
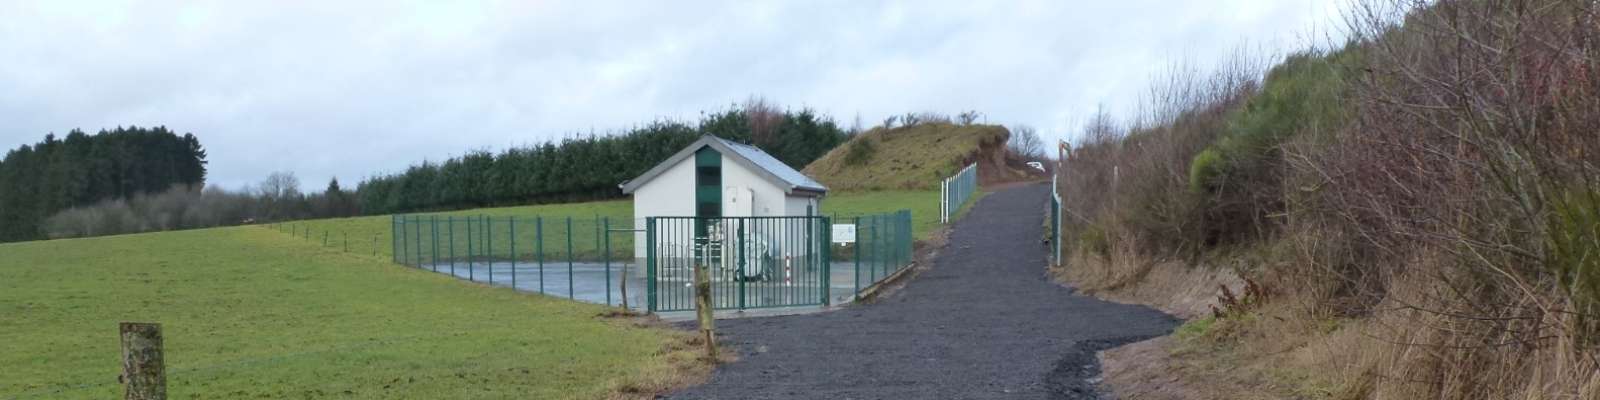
x=796, y=206
x=769, y=198
x=669, y=194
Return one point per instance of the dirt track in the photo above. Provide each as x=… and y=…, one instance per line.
x=982, y=322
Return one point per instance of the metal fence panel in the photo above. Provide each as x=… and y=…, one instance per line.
x=576, y=257
x=956, y=190
x=753, y=262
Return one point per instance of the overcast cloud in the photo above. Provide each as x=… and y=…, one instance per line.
x=352, y=89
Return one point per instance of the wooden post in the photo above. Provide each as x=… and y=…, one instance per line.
x=703, y=308
x=143, y=372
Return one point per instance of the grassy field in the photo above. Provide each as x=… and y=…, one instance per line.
x=252, y=313
x=371, y=235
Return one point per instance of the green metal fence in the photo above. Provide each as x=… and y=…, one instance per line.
x=956, y=190
x=754, y=262
x=581, y=258
x=882, y=247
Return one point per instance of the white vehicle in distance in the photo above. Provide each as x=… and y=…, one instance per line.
x=1037, y=165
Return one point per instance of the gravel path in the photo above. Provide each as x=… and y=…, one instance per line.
x=983, y=322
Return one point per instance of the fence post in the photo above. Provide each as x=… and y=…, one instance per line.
x=433, y=237
x=538, y=245
x=650, y=264
x=405, y=250
x=346, y=239
x=703, y=312
x=944, y=199
x=418, y=220
x=511, y=223
x=605, y=254
x=470, y=267
x=143, y=369
x=488, y=244
x=570, y=293
x=450, y=226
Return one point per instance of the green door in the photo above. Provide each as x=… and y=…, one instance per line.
x=707, y=188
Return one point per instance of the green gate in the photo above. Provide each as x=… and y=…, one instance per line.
x=753, y=262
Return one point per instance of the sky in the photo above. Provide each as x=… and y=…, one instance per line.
x=352, y=89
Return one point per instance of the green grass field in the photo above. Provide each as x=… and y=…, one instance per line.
x=252, y=313
x=371, y=235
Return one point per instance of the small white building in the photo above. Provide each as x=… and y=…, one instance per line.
x=714, y=177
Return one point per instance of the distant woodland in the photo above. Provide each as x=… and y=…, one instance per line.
x=130, y=180
x=56, y=174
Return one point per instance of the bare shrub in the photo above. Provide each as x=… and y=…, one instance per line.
x=969, y=117
x=1472, y=151
x=1449, y=220
x=1135, y=179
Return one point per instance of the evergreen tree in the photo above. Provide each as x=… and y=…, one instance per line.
x=39, y=180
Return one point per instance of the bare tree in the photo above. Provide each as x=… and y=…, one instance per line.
x=764, y=118
x=280, y=185
x=1025, y=143
x=1102, y=127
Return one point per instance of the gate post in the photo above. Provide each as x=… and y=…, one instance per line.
x=650, y=264
x=739, y=253
x=827, y=260
x=856, y=251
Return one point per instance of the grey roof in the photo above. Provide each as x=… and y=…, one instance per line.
x=763, y=164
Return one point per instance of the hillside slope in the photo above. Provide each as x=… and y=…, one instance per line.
x=915, y=157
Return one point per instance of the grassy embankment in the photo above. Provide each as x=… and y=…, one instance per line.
x=913, y=157
x=252, y=313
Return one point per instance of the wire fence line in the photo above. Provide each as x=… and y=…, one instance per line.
x=336, y=239
x=956, y=190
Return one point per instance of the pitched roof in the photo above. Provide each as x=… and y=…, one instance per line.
x=749, y=156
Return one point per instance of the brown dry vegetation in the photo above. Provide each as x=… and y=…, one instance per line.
x=1421, y=205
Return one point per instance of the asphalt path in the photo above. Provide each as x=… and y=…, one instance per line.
x=982, y=322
